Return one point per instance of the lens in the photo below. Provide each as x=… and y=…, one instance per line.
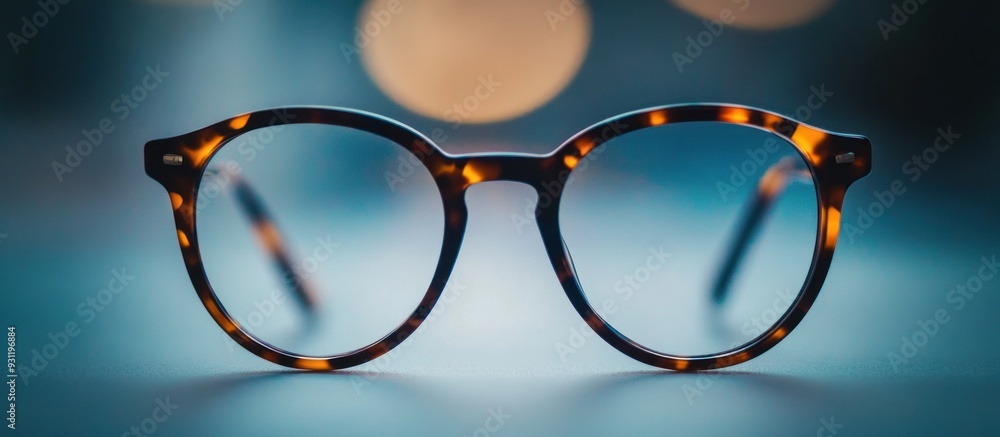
x=655, y=218
x=342, y=218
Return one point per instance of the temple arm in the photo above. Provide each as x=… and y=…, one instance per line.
x=269, y=237
x=770, y=187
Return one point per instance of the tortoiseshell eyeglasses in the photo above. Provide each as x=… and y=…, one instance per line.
x=701, y=233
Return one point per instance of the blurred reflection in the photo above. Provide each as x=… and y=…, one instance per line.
x=769, y=188
x=362, y=244
x=472, y=62
x=655, y=218
x=757, y=14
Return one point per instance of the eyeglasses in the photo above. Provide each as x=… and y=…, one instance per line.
x=702, y=233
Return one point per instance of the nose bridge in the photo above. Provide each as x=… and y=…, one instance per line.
x=528, y=169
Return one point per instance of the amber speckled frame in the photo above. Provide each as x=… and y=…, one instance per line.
x=834, y=161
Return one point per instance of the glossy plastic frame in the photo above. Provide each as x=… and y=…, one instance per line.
x=834, y=160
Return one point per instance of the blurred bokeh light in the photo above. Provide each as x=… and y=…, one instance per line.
x=471, y=62
x=758, y=14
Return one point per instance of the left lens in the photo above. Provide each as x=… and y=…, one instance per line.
x=353, y=217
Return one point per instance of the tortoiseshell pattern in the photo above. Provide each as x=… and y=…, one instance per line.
x=834, y=160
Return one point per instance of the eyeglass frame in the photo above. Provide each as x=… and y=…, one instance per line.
x=834, y=160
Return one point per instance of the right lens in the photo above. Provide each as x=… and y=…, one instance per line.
x=357, y=217
x=651, y=216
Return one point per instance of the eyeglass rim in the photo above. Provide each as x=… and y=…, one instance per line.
x=454, y=174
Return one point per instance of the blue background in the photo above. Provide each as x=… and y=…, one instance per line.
x=492, y=347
